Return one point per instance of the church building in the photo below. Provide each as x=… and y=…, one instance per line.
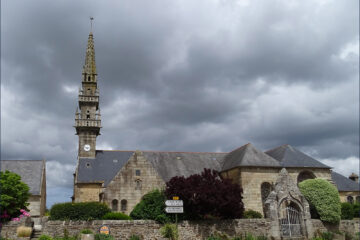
x=121, y=178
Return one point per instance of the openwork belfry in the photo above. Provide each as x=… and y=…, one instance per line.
x=288, y=209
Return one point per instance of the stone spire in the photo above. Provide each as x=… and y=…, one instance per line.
x=90, y=66
x=88, y=119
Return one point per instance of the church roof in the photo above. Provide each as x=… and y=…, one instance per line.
x=289, y=156
x=171, y=164
x=343, y=183
x=248, y=156
x=103, y=168
x=30, y=172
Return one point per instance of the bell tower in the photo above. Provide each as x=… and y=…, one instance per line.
x=87, y=116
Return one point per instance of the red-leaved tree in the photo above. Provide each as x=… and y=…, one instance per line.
x=207, y=195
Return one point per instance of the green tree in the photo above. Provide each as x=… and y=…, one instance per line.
x=324, y=197
x=151, y=207
x=14, y=194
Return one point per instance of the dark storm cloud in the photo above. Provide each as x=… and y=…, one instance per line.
x=181, y=75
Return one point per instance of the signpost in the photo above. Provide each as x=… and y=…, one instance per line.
x=104, y=230
x=174, y=206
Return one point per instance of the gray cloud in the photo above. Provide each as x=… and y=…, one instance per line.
x=182, y=75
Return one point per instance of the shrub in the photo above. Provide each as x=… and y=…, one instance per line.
x=78, y=211
x=116, y=216
x=23, y=231
x=213, y=238
x=100, y=236
x=14, y=195
x=170, y=231
x=45, y=237
x=222, y=200
x=152, y=207
x=356, y=208
x=324, y=197
x=327, y=235
x=134, y=237
x=86, y=231
x=252, y=214
x=347, y=211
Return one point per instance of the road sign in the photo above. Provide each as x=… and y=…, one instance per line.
x=174, y=209
x=175, y=198
x=174, y=203
x=104, y=230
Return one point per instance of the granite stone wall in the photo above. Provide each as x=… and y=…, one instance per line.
x=188, y=230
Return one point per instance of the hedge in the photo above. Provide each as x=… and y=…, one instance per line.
x=347, y=211
x=116, y=216
x=252, y=214
x=78, y=211
x=324, y=197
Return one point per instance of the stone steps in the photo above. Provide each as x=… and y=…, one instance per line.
x=36, y=234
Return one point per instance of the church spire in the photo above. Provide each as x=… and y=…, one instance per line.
x=90, y=66
x=88, y=120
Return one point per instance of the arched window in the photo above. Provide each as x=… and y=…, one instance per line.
x=350, y=199
x=358, y=199
x=138, y=184
x=123, y=205
x=305, y=175
x=114, y=205
x=266, y=188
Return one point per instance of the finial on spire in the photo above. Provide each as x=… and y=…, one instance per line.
x=91, y=23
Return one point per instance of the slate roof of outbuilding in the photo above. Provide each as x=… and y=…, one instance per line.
x=344, y=184
x=30, y=172
x=171, y=164
x=248, y=156
x=289, y=156
x=103, y=167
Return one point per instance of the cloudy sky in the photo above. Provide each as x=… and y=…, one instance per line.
x=181, y=75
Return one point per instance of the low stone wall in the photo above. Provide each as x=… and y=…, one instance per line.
x=349, y=226
x=188, y=230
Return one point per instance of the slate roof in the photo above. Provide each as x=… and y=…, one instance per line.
x=289, y=156
x=247, y=156
x=171, y=164
x=344, y=184
x=30, y=172
x=103, y=167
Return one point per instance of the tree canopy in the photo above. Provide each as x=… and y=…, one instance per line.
x=207, y=195
x=14, y=195
x=323, y=197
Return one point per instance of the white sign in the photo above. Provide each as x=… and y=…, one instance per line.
x=174, y=209
x=174, y=203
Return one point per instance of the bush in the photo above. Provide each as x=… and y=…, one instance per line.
x=152, y=207
x=78, y=211
x=213, y=238
x=252, y=214
x=324, y=197
x=116, y=216
x=223, y=200
x=23, y=231
x=86, y=231
x=356, y=210
x=134, y=237
x=327, y=235
x=347, y=211
x=170, y=231
x=14, y=195
x=45, y=237
x=100, y=236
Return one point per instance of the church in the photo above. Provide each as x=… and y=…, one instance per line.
x=120, y=178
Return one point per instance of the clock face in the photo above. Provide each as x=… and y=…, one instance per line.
x=87, y=147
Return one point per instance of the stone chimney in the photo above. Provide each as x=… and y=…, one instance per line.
x=354, y=177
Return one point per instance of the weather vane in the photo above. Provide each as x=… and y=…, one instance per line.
x=91, y=23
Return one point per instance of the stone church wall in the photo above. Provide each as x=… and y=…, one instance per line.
x=87, y=192
x=127, y=186
x=251, y=178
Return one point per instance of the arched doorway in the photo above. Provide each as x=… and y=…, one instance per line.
x=305, y=175
x=290, y=219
